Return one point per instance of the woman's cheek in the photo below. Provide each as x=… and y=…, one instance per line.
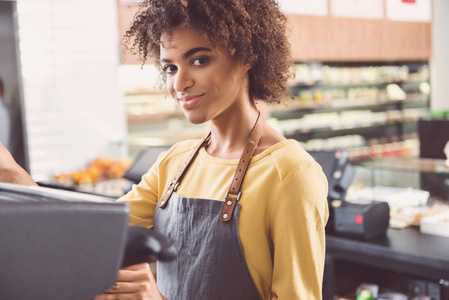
x=169, y=87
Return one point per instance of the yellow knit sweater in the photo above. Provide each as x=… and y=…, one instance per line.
x=284, y=211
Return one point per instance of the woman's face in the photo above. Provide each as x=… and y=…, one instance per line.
x=205, y=82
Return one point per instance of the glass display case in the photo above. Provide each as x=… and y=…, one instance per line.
x=406, y=173
x=414, y=187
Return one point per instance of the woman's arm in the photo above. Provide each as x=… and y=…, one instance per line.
x=10, y=171
x=298, y=220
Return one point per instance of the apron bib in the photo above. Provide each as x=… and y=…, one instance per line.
x=210, y=264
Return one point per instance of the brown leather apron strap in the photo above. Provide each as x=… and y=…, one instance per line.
x=234, y=193
x=178, y=177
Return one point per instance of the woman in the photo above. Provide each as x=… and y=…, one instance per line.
x=219, y=58
x=246, y=207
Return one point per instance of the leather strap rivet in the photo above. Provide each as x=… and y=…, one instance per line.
x=229, y=203
x=162, y=202
x=168, y=191
x=225, y=216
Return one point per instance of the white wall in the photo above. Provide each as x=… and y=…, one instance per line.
x=70, y=59
x=440, y=56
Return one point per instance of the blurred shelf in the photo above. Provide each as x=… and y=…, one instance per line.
x=424, y=165
x=298, y=109
x=368, y=131
x=330, y=85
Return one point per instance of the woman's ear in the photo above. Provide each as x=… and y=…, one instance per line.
x=247, y=67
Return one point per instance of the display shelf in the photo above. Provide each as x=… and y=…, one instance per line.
x=421, y=165
x=297, y=109
x=390, y=150
x=370, y=131
x=328, y=85
x=380, y=102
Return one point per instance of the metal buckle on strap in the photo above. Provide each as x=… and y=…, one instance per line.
x=238, y=196
x=176, y=186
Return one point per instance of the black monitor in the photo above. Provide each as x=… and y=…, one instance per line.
x=338, y=171
x=143, y=162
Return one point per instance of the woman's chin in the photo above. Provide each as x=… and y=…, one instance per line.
x=195, y=118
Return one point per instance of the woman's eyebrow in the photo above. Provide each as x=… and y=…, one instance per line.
x=195, y=50
x=188, y=53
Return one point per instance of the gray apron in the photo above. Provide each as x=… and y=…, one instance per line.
x=210, y=264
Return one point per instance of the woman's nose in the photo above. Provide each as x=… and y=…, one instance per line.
x=183, y=80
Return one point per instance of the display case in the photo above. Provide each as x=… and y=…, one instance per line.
x=407, y=173
x=407, y=259
x=413, y=187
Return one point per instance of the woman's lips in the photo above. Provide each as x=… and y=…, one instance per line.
x=190, y=102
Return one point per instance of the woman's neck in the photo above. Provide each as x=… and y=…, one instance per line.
x=230, y=131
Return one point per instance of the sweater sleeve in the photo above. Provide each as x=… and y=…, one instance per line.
x=298, y=219
x=143, y=197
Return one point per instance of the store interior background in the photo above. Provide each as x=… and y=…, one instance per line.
x=367, y=73
x=81, y=97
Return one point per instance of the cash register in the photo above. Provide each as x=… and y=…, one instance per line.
x=64, y=245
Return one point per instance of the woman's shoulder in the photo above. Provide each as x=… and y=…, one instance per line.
x=289, y=156
x=282, y=149
x=289, y=151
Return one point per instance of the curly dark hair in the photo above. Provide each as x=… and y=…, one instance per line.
x=254, y=30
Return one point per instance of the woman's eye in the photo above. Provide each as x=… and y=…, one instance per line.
x=199, y=61
x=169, y=69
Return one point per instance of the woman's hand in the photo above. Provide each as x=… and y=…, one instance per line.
x=10, y=171
x=134, y=282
